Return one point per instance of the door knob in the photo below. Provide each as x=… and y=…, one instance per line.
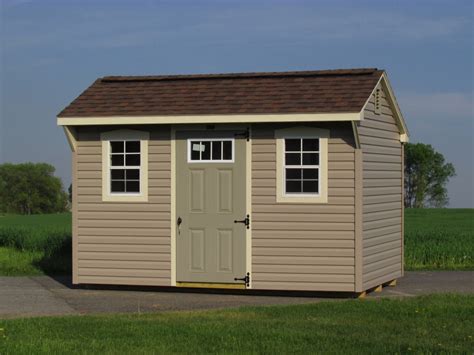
x=178, y=222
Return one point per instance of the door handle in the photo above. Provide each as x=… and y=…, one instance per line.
x=178, y=222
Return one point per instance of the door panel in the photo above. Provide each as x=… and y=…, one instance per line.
x=196, y=188
x=197, y=250
x=225, y=250
x=210, y=195
x=224, y=178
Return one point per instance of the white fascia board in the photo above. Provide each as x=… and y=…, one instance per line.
x=404, y=135
x=71, y=137
x=196, y=119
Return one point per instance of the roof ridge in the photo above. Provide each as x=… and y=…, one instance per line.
x=303, y=73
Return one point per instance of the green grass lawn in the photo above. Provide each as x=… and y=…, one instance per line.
x=428, y=324
x=435, y=239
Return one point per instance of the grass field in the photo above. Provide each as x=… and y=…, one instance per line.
x=439, y=239
x=429, y=324
x=34, y=245
x=435, y=239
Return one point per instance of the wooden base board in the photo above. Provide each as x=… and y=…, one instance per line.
x=362, y=294
x=378, y=288
x=211, y=285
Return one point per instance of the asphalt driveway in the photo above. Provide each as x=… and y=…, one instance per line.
x=43, y=295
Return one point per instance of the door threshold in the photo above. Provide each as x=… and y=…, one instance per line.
x=211, y=285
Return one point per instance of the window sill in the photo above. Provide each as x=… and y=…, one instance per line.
x=125, y=198
x=302, y=199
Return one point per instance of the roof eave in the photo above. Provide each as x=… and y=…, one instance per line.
x=200, y=119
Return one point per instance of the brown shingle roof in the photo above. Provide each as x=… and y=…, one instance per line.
x=243, y=93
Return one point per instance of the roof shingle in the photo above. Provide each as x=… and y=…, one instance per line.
x=324, y=91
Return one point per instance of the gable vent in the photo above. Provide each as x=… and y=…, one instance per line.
x=378, y=105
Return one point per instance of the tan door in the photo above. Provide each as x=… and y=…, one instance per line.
x=210, y=197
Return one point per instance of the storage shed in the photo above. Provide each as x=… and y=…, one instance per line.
x=267, y=181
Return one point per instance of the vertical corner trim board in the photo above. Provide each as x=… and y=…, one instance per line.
x=382, y=194
x=75, y=243
x=403, y=213
x=359, y=261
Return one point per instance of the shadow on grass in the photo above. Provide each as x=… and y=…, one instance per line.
x=56, y=261
x=50, y=248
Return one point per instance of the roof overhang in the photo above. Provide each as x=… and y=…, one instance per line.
x=208, y=119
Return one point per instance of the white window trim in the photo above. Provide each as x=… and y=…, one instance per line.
x=125, y=135
x=301, y=167
x=302, y=132
x=210, y=140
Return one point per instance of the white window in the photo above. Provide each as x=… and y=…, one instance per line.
x=301, y=165
x=125, y=165
x=211, y=150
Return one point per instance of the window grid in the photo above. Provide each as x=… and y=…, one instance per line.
x=301, y=177
x=125, y=166
x=211, y=150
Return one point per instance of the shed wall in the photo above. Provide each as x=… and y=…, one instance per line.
x=294, y=246
x=379, y=138
x=124, y=243
x=303, y=246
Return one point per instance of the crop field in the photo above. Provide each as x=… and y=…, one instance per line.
x=439, y=239
x=34, y=245
x=435, y=239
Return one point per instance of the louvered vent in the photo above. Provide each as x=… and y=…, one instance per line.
x=378, y=105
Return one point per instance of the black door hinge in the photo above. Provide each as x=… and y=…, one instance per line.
x=245, y=221
x=245, y=134
x=245, y=279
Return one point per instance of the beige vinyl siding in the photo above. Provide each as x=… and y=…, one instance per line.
x=382, y=195
x=124, y=243
x=303, y=246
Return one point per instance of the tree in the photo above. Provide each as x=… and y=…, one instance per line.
x=69, y=191
x=31, y=188
x=426, y=176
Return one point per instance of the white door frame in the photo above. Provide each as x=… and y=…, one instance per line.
x=248, y=190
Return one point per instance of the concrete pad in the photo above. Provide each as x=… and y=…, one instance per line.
x=23, y=296
x=417, y=283
x=129, y=301
x=43, y=295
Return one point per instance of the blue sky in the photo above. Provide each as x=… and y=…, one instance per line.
x=52, y=50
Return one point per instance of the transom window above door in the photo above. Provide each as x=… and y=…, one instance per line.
x=211, y=150
x=301, y=166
